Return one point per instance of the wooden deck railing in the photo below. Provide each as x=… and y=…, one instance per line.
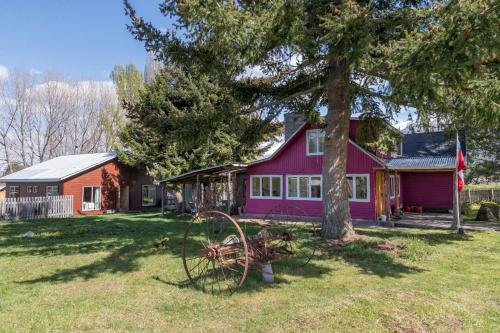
x=36, y=207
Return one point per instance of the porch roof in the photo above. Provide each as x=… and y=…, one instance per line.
x=209, y=172
x=422, y=163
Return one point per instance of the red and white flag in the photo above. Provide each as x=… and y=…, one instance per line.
x=460, y=167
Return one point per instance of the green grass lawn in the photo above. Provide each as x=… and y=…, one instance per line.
x=104, y=273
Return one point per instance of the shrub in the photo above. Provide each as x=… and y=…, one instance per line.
x=466, y=208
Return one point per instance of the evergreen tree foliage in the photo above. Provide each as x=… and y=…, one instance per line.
x=373, y=56
x=182, y=122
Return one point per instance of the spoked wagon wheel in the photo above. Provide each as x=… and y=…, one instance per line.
x=215, y=252
x=294, y=234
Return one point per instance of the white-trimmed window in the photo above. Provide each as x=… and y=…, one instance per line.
x=148, y=195
x=392, y=190
x=304, y=187
x=29, y=188
x=358, y=186
x=14, y=191
x=35, y=188
x=52, y=190
x=266, y=187
x=91, y=199
x=315, y=142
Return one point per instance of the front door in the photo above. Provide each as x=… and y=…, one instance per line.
x=124, y=198
x=380, y=193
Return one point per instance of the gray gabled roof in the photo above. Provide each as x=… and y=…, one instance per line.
x=59, y=168
x=430, y=144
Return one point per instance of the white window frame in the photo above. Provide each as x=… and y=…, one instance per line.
x=14, y=189
x=29, y=188
x=318, y=131
x=142, y=196
x=47, y=190
x=92, y=192
x=368, y=186
x=309, y=198
x=35, y=188
x=270, y=187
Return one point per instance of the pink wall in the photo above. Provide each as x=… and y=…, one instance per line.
x=432, y=190
x=292, y=160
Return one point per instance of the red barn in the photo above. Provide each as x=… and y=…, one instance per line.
x=97, y=182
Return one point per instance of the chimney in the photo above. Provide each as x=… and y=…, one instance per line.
x=292, y=122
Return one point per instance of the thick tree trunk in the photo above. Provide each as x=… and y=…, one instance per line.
x=337, y=221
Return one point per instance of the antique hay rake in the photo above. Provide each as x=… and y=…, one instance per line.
x=218, y=251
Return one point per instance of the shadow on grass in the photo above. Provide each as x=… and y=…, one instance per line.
x=362, y=254
x=429, y=237
x=122, y=239
x=119, y=240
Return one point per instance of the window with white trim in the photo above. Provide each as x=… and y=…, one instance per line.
x=14, y=191
x=148, y=195
x=358, y=187
x=315, y=142
x=35, y=188
x=302, y=187
x=52, y=190
x=91, y=199
x=29, y=188
x=265, y=187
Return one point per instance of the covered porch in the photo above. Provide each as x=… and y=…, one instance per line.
x=220, y=188
x=416, y=185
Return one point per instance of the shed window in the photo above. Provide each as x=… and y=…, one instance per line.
x=148, y=195
x=14, y=191
x=35, y=188
x=303, y=187
x=29, y=189
x=358, y=187
x=52, y=190
x=91, y=198
x=315, y=142
x=265, y=187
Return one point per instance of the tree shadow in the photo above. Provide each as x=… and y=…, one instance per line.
x=432, y=238
x=122, y=239
x=369, y=260
x=125, y=238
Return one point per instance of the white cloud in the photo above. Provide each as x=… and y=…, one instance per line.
x=35, y=72
x=4, y=72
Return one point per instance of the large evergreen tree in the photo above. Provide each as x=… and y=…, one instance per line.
x=373, y=56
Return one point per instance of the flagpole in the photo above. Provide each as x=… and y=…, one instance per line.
x=457, y=195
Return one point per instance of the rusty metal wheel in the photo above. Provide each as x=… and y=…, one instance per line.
x=296, y=235
x=215, y=252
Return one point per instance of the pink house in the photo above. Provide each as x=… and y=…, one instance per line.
x=420, y=173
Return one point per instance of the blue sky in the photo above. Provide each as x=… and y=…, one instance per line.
x=83, y=39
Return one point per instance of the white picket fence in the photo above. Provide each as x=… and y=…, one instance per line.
x=36, y=207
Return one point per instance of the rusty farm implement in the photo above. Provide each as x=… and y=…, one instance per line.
x=218, y=251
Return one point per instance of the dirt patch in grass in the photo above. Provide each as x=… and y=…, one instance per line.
x=392, y=247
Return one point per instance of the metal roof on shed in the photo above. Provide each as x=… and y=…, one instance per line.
x=59, y=168
x=423, y=163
